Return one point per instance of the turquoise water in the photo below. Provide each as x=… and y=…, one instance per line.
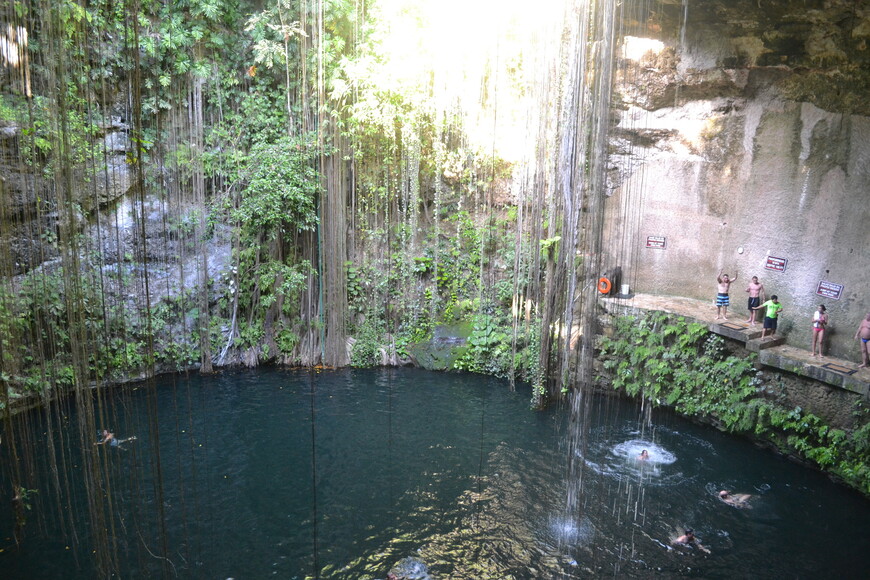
x=345, y=474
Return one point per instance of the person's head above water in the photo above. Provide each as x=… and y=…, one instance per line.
x=723, y=494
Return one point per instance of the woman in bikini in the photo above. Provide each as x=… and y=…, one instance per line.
x=820, y=321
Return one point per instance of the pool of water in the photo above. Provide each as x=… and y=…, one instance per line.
x=348, y=474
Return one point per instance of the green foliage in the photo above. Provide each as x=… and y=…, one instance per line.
x=280, y=188
x=356, y=297
x=12, y=109
x=250, y=335
x=369, y=339
x=489, y=349
x=271, y=199
x=22, y=502
x=180, y=354
x=287, y=341
x=550, y=248
x=118, y=358
x=670, y=361
x=278, y=281
x=179, y=38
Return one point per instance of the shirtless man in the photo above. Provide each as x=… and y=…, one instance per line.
x=722, y=297
x=863, y=334
x=688, y=539
x=756, y=297
x=738, y=500
x=108, y=438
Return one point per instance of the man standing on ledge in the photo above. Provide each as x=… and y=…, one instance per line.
x=770, y=317
x=722, y=297
x=863, y=334
x=756, y=295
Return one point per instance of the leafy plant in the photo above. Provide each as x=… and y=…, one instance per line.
x=369, y=339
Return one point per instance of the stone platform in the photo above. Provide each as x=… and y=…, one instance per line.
x=772, y=351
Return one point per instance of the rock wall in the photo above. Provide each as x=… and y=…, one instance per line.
x=724, y=154
x=30, y=206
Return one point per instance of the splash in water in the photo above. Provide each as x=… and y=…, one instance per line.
x=623, y=461
x=632, y=450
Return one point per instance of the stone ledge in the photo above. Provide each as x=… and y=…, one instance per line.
x=848, y=380
x=760, y=344
x=736, y=330
x=771, y=352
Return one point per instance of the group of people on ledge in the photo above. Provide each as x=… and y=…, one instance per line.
x=756, y=293
x=773, y=308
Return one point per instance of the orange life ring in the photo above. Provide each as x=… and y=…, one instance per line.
x=604, y=285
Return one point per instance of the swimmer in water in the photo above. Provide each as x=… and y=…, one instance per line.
x=108, y=438
x=689, y=539
x=643, y=455
x=738, y=500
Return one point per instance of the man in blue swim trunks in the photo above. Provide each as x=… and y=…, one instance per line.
x=722, y=300
x=863, y=333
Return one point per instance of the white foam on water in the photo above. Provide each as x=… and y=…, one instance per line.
x=631, y=450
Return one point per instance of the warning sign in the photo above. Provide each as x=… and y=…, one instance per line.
x=829, y=290
x=656, y=242
x=775, y=264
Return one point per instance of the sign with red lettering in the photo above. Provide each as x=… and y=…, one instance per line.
x=829, y=290
x=775, y=264
x=656, y=242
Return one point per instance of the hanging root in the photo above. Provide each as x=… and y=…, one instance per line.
x=156, y=557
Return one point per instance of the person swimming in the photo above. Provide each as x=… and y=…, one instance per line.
x=643, y=455
x=689, y=539
x=738, y=500
x=108, y=438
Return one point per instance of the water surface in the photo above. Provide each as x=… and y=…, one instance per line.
x=345, y=474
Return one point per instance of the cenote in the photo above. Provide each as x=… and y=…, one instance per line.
x=351, y=473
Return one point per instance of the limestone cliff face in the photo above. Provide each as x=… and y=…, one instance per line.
x=746, y=136
x=30, y=200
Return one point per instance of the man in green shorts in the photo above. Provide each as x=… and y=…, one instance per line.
x=770, y=317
